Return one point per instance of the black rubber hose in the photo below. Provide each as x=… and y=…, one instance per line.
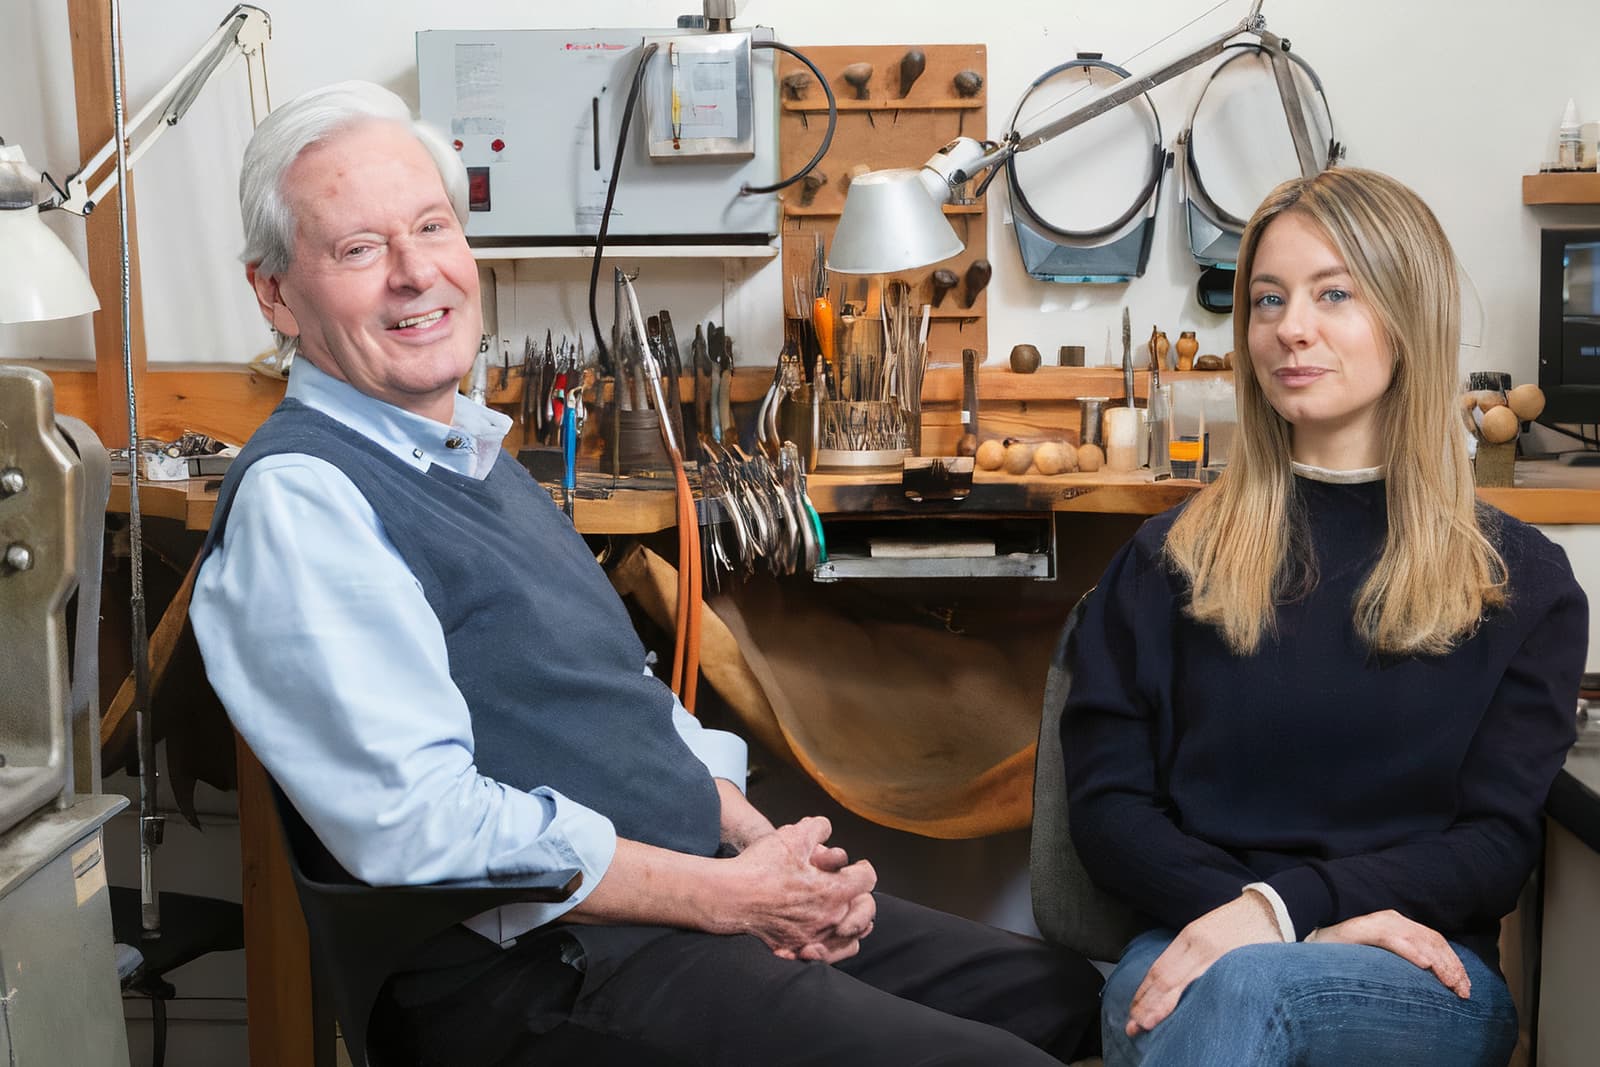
x=604, y=356
x=827, y=138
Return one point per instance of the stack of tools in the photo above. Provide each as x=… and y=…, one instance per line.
x=552, y=379
x=872, y=371
x=757, y=509
x=704, y=363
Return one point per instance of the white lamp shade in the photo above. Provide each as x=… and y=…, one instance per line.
x=40, y=278
x=891, y=222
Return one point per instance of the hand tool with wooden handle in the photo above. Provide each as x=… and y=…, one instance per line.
x=795, y=87
x=943, y=281
x=967, y=84
x=859, y=76
x=912, y=64
x=809, y=186
x=824, y=322
x=978, y=275
x=969, y=390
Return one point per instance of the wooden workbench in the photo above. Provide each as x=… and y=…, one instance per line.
x=276, y=947
x=1546, y=493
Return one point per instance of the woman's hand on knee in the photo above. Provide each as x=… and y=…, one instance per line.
x=1406, y=938
x=1245, y=920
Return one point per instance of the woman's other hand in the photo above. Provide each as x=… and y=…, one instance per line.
x=1245, y=920
x=1421, y=945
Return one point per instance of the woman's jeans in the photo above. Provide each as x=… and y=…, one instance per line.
x=1310, y=1005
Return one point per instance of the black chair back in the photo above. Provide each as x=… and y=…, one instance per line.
x=1069, y=908
x=360, y=934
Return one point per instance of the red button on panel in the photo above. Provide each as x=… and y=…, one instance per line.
x=458, y=144
x=478, y=189
x=498, y=145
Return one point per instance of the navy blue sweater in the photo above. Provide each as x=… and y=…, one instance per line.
x=1349, y=782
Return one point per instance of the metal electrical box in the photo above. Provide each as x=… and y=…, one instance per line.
x=535, y=115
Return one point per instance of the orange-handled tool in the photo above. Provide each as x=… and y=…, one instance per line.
x=822, y=318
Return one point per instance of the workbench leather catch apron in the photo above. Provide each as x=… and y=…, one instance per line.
x=919, y=722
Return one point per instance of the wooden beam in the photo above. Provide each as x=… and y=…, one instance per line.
x=90, y=21
x=117, y=723
x=277, y=947
x=227, y=404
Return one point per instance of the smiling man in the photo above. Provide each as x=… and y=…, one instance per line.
x=427, y=659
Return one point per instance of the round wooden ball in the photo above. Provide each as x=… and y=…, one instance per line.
x=1090, y=457
x=990, y=455
x=1018, y=458
x=1526, y=400
x=1024, y=359
x=1055, y=457
x=1499, y=425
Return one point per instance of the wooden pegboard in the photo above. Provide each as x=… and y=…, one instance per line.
x=883, y=131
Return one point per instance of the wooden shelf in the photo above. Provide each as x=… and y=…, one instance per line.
x=796, y=210
x=1048, y=383
x=1573, y=187
x=812, y=107
x=628, y=252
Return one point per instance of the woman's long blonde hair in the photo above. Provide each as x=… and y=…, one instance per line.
x=1242, y=544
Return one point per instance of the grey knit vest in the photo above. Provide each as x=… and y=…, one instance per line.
x=539, y=643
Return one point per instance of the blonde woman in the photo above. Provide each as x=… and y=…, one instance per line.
x=1316, y=712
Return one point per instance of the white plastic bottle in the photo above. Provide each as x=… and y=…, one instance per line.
x=1569, y=140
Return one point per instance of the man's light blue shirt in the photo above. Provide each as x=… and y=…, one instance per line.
x=334, y=670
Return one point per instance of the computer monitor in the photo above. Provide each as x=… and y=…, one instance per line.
x=1569, y=325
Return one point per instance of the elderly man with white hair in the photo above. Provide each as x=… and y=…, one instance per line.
x=427, y=659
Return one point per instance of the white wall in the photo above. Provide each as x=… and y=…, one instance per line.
x=1432, y=92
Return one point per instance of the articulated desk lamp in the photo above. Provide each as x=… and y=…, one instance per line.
x=893, y=220
x=41, y=279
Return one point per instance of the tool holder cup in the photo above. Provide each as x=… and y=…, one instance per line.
x=799, y=421
x=635, y=443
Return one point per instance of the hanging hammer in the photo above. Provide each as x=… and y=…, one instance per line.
x=978, y=276
x=912, y=64
x=858, y=76
x=967, y=84
x=809, y=186
x=795, y=86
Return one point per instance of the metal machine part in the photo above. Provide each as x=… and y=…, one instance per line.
x=59, y=1001
x=535, y=115
x=39, y=541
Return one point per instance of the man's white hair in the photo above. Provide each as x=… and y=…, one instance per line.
x=269, y=222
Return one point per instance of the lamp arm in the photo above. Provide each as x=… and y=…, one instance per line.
x=244, y=32
x=1133, y=87
x=1293, y=110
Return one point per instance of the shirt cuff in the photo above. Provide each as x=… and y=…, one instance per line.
x=587, y=844
x=1280, y=911
x=1305, y=895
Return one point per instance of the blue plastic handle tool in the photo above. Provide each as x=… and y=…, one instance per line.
x=569, y=451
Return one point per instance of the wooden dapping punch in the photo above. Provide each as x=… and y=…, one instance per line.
x=859, y=77
x=978, y=275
